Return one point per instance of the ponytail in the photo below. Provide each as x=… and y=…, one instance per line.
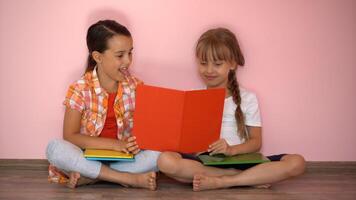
x=90, y=64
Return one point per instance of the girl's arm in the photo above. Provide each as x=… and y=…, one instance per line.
x=71, y=133
x=252, y=145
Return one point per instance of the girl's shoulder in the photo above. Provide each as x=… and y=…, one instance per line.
x=244, y=93
x=247, y=97
x=84, y=83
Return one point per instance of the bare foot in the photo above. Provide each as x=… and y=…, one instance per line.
x=76, y=180
x=263, y=186
x=73, y=179
x=202, y=182
x=145, y=180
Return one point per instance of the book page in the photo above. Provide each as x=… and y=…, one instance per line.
x=158, y=118
x=202, y=120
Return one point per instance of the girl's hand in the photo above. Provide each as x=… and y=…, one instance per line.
x=132, y=146
x=220, y=146
x=121, y=146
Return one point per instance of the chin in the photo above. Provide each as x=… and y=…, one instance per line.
x=210, y=84
x=215, y=85
x=119, y=77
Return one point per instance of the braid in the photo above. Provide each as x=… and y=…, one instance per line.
x=233, y=87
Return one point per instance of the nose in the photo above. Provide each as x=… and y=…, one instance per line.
x=209, y=69
x=127, y=59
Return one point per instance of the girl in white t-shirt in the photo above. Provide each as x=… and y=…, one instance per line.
x=218, y=54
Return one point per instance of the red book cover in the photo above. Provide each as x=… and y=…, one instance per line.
x=174, y=120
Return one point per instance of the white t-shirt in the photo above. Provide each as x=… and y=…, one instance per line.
x=249, y=107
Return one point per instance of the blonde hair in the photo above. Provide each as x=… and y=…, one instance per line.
x=221, y=44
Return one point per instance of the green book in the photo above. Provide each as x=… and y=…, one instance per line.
x=220, y=159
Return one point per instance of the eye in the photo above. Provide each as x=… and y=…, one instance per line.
x=203, y=63
x=120, y=56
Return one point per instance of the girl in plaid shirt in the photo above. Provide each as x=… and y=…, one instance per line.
x=219, y=55
x=98, y=115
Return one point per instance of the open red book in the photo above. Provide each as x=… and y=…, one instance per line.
x=174, y=120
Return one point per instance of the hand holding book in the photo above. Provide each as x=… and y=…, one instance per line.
x=127, y=145
x=131, y=145
x=220, y=147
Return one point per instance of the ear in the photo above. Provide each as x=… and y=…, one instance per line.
x=234, y=65
x=96, y=56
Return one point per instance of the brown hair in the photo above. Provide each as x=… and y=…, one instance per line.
x=221, y=44
x=97, y=36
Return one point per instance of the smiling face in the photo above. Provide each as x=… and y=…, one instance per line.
x=218, y=52
x=114, y=62
x=214, y=72
x=214, y=67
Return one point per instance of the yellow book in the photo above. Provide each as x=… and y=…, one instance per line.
x=109, y=155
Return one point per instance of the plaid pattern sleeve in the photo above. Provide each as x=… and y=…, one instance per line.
x=74, y=99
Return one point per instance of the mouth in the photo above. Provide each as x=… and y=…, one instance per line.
x=124, y=71
x=209, y=77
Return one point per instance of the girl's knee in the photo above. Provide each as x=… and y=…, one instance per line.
x=148, y=160
x=168, y=162
x=296, y=164
x=145, y=161
x=52, y=148
x=60, y=151
x=151, y=155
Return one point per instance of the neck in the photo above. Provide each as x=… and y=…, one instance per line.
x=227, y=91
x=106, y=82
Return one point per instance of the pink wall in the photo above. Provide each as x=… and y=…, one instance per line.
x=300, y=61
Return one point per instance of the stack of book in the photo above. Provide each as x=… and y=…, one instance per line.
x=107, y=155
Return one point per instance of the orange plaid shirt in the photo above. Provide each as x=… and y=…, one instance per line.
x=87, y=97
